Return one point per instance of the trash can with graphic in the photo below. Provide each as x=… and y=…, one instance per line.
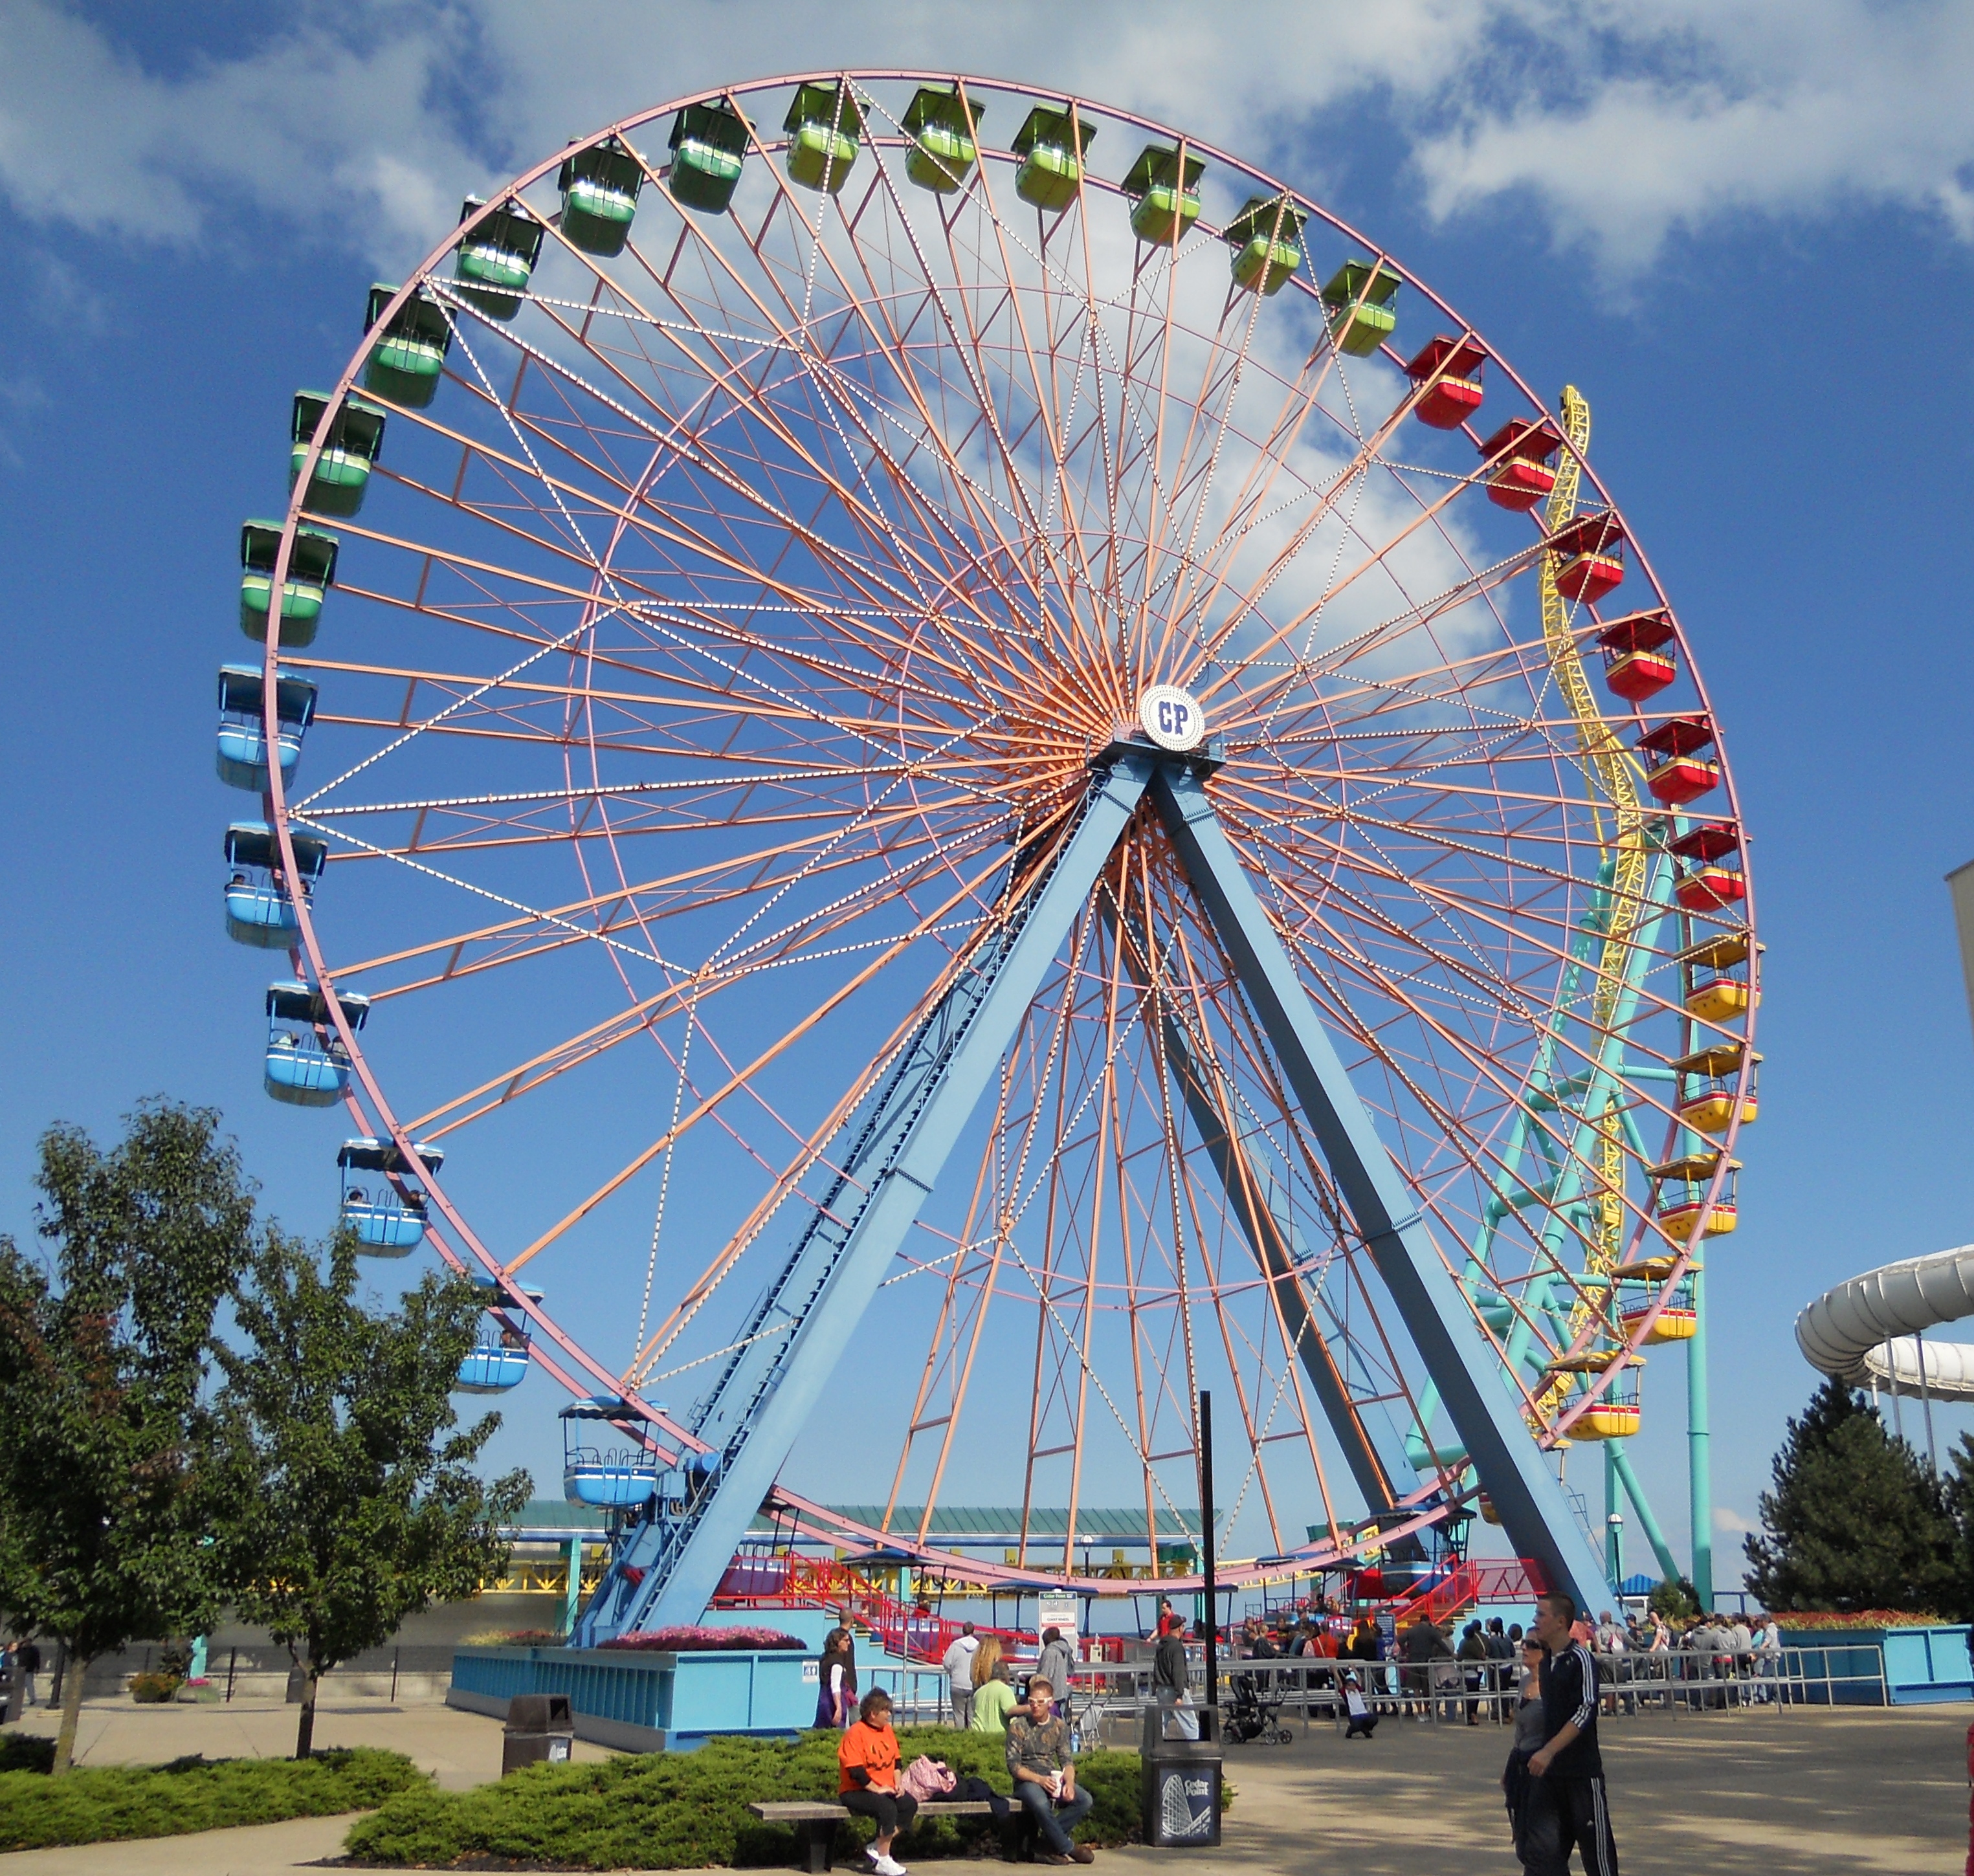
x=538, y=1731
x=1181, y=1784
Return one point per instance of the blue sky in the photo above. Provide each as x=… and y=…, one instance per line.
x=1742, y=230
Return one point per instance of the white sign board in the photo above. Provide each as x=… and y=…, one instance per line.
x=1056, y=1611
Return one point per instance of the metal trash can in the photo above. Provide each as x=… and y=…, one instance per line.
x=1180, y=1788
x=540, y=1731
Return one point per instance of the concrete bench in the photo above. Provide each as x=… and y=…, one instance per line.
x=815, y=1823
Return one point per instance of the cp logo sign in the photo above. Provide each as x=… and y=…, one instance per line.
x=1170, y=718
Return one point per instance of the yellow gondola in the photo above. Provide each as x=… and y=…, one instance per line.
x=1717, y=987
x=1679, y=1320
x=1710, y=1084
x=1683, y=1184
x=1614, y=1413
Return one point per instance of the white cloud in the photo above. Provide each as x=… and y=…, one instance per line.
x=1687, y=111
x=1623, y=122
x=1730, y=1523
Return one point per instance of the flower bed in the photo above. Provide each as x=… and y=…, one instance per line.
x=689, y=1639
x=1857, y=1619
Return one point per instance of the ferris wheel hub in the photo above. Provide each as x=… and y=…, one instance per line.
x=1171, y=718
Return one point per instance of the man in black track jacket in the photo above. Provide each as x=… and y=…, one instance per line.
x=1567, y=1805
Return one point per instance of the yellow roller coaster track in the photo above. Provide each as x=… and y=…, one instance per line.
x=1611, y=779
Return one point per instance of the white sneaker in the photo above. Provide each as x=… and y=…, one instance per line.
x=889, y=1866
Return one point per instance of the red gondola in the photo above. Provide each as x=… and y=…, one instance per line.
x=1639, y=657
x=1523, y=474
x=1447, y=403
x=1677, y=768
x=1591, y=551
x=1706, y=886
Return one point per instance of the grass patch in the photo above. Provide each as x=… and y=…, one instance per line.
x=95, y=1804
x=685, y=1810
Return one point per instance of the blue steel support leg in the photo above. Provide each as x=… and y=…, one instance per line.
x=669, y=1568
x=1458, y=1354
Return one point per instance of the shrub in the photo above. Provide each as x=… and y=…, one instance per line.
x=96, y=1803
x=686, y=1810
x=1858, y=1619
x=515, y=1637
x=688, y=1637
x=154, y=1688
x=26, y=1752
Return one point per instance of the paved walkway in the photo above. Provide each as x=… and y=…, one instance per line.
x=1802, y=1793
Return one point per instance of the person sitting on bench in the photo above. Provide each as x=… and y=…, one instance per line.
x=867, y=1760
x=1044, y=1770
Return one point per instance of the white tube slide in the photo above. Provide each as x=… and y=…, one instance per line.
x=1868, y=1331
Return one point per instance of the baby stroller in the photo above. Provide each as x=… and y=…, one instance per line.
x=1249, y=1717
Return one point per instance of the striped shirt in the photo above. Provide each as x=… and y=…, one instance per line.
x=1569, y=1695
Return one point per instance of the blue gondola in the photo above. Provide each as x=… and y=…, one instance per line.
x=499, y=1359
x=259, y=910
x=387, y=1211
x=311, y=573
x=306, y=1065
x=617, y=1479
x=242, y=757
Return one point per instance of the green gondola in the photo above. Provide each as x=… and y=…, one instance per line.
x=1361, y=301
x=408, y=360
x=1164, y=202
x=1266, y=236
x=599, y=196
x=1051, y=144
x=496, y=260
x=708, y=144
x=942, y=125
x=355, y=440
x=311, y=573
x=823, y=124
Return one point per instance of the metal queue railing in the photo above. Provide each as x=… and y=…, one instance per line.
x=1107, y=1699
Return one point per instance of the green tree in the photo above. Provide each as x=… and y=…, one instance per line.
x=357, y=1502
x=1675, y=1599
x=107, y=1489
x=1855, y=1520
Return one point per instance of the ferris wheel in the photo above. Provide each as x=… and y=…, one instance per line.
x=926, y=791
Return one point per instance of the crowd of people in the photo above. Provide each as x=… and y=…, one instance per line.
x=1641, y=1658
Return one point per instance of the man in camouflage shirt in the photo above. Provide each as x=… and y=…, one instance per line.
x=1044, y=1769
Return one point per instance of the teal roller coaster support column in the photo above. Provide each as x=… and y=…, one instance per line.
x=572, y=1600
x=1458, y=1354
x=1699, y=1460
x=886, y=1161
x=1621, y=1461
